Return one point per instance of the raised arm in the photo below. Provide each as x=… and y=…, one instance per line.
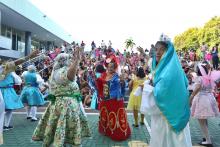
x=74, y=65
x=22, y=60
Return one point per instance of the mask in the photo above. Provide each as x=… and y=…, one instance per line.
x=98, y=75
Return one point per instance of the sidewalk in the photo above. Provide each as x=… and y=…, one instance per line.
x=20, y=136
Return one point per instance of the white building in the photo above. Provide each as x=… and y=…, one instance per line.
x=24, y=27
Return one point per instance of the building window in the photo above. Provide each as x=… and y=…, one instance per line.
x=3, y=30
x=35, y=44
x=20, y=44
x=8, y=32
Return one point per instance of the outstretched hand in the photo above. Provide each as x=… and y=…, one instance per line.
x=22, y=60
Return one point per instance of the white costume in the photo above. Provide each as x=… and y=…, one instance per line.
x=161, y=133
x=17, y=79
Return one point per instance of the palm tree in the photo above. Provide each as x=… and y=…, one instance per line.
x=129, y=43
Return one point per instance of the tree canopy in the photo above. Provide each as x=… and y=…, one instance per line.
x=192, y=38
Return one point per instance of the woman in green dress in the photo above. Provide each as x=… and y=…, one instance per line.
x=64, y=121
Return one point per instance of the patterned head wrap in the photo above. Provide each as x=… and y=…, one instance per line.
x=62, y=60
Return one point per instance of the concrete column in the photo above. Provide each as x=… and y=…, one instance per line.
x=27, y=43
x=48, y=45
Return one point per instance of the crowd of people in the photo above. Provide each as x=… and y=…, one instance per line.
x=210, y=54
x=157, y=83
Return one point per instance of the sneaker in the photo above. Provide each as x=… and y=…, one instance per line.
x=34, y=119
x=5, y=128
x=28, y=117
x=10, y=127
x=206, y=144
x=142, y=123
x=135, y=125
x=203, y=140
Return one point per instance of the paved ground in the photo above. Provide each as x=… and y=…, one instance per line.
x=20, y=136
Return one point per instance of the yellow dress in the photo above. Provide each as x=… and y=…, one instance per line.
x=134, y=102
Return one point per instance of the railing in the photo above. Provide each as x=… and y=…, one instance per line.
x=42, y=56
x=46, y=67
x=26, y=63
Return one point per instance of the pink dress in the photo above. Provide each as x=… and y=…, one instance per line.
x=204, y=104
x=97, y=53
x=208, y=56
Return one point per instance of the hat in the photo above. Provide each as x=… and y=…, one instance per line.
x=31, y=68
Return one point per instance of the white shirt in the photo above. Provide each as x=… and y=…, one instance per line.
x=17, y=79
x=103, y=44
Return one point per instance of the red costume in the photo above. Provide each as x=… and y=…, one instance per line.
x=113, y=117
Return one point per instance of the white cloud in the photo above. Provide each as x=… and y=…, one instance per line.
x=117, y=20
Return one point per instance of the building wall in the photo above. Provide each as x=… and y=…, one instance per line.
x=6, y=39
x=11, y=54
x=34, y=15
x=7, y=33
x=28, y=10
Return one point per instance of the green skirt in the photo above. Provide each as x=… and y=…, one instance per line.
x=62, y=123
